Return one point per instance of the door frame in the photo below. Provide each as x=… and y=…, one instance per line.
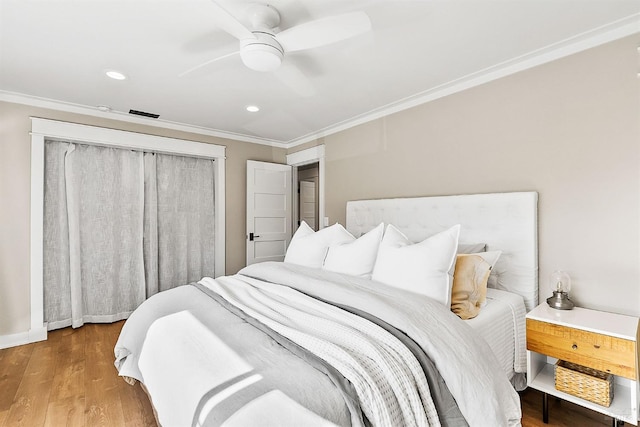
x=302, y=158
x=95, y=135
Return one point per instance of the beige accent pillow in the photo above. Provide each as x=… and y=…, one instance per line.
x=470, y=277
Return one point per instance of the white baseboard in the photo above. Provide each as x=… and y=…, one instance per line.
x=28, y=337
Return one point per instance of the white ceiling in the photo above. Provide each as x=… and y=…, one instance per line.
x=58, y=50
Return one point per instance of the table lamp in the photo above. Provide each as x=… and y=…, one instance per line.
x=560, y=284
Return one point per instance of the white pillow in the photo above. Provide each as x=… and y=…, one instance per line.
x=422, y=267
x=309, y=248
x=356, y=257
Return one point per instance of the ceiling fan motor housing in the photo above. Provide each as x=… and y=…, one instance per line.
x=263, y=53
x=263, y=17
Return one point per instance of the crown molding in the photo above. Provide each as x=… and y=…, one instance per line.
x=34, y=101
x=578, y=43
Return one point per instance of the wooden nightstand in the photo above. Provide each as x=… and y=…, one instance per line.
x=604, y=341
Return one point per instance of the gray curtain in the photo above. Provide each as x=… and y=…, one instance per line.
x=119, y=226
x=179, y=220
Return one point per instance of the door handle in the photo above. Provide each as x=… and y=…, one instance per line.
x=252, y=236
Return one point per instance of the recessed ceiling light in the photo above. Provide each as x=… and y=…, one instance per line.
x=253, y=108
x=104, y=108
x=116, y=75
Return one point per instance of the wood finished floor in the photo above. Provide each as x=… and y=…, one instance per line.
x=70, y=380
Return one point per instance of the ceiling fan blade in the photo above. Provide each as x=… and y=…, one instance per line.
x=197, y=67
x=230, y=23
x=295, y=79
x=324, y=31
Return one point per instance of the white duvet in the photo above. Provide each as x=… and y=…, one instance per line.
x=465, y=361
x=389, y=380
x=467, y=364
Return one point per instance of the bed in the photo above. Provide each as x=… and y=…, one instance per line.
x=295, y=343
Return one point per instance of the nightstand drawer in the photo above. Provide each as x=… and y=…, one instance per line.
x=598, y=351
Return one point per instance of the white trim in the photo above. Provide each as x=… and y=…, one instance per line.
x=321, y=207
x=37, y=232
x=123, y=139
x=305, y=157
x=31, y=336
x=219, y=167
x=52, y=104
x=578, y=43
x=41, y=128
x=295, y=200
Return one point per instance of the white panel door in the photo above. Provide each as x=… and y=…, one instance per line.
x=268, y=211
x=308, y=203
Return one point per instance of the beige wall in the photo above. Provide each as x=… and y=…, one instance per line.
x=14, y=199
x=568, y=129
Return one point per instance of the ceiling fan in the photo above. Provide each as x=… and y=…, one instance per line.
x=262, y=49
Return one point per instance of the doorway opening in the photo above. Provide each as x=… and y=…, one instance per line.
x=308, y=188
x=313, y=159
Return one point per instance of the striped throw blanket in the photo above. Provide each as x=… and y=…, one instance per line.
x=388, y=379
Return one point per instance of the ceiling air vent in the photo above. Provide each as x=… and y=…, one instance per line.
x=144, y=114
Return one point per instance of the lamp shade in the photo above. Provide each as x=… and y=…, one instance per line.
x=560, y=284
x=560, y=281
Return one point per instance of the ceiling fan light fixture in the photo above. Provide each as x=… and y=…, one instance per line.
x=261, y=57
x=263, y=53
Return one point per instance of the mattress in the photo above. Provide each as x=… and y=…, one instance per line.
x=501, y=323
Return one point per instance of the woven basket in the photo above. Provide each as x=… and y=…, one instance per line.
x=586, y=383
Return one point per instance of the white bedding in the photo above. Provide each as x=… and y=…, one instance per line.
x=501, y=323
x=390, y=383
x=187, y=361
x=462, y=359
x=170, y=360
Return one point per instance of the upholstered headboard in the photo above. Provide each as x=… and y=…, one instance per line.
x=504, y=221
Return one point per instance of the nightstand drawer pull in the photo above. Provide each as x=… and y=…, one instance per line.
x=575, y=346
x=596, y=346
